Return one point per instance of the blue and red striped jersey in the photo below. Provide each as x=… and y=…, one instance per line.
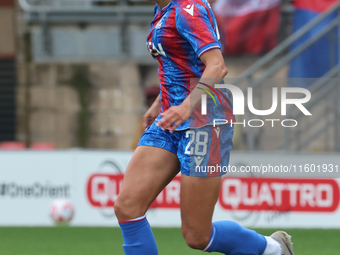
x=180, y=33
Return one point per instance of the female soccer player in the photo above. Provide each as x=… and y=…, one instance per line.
x=184, y=39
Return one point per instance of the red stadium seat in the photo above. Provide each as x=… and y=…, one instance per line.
x=43, y=146
x=12, y=146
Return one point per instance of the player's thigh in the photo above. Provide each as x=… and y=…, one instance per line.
x=149, y=171
x=203, y=152
x=198, y=198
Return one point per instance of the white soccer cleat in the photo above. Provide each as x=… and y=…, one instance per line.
x=285, y=241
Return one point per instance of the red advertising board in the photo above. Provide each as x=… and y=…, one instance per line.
x=256, y=194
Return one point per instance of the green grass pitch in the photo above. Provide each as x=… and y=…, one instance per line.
x=105, y=241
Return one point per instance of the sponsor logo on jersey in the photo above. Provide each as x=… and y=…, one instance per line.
x=154, y=50
x=190, y=9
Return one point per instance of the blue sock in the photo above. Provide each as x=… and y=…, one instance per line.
x=138, y=237
x=230, y=238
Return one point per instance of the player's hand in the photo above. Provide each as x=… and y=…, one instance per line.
x=173, y=117
x=150, y=116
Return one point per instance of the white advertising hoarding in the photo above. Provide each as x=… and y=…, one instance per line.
x=30, y=181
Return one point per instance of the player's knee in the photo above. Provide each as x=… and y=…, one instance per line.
x=119, y=209
x=194, y=239
x=123, y=210
x=127, y=209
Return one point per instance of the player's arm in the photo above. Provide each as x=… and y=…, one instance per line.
x=152, y=113
x=213, y=74
x=197, y=29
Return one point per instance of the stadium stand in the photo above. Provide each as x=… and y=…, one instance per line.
x=7, y=72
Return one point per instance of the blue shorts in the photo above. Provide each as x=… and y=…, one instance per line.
x=202, y=152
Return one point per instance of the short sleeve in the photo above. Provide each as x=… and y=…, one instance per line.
x=195, y=25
